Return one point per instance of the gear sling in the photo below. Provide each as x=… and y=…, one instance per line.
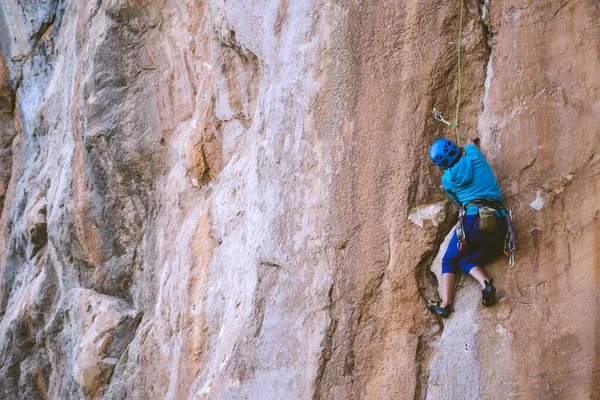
x=487, y=215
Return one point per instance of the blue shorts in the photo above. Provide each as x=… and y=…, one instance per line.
x=482, y=246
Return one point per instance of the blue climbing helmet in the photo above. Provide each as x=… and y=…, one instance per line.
x=444, y=153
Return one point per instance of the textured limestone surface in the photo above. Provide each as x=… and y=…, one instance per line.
x=233, y=199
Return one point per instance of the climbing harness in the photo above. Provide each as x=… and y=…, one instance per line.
x=486, y=205
x=436, y=114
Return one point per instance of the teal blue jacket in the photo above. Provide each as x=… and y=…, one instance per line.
x=471, y=178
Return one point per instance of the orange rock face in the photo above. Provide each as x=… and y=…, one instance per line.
x=233, y=200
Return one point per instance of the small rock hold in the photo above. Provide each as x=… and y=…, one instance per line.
x=435, y=213
x=535, y=232
x=537, y=204
x=38, y=231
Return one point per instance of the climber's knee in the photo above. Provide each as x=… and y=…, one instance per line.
x=466, y=267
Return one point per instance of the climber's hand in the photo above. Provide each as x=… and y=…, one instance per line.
x=475, y=140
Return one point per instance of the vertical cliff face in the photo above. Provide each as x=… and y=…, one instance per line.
x=234, y=199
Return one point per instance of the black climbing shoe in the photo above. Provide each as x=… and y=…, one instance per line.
x=488, y=294
x=435, y=306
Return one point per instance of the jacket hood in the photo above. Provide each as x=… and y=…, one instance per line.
x=461, y=173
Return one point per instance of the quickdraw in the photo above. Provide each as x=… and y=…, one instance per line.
x=460, y=228
x=509, y=241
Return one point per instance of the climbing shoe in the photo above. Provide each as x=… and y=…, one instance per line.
x=436, y=307
x=488, y=294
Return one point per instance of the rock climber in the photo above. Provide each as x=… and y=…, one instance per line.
x=469, y=181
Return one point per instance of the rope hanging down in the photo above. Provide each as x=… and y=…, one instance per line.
x=436, y=114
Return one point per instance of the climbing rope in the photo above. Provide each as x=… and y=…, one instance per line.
x=436, y=114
